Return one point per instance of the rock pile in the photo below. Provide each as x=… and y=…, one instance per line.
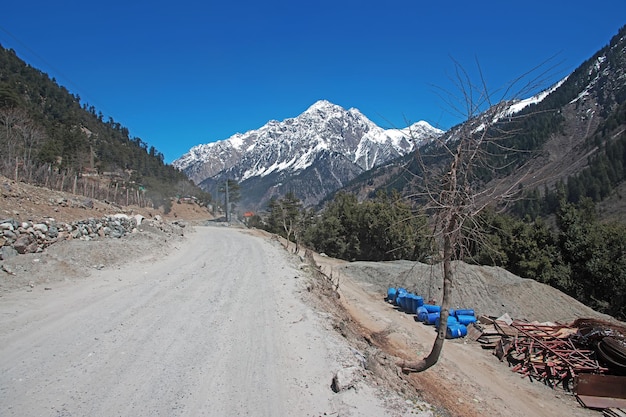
x=33, y=237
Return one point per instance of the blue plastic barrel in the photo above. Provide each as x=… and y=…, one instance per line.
x=455, y=331
x=406, y=304
x=391, y=294
x=398, y=295
x=420, y=301
x=463, y=319
x=417, y=302
x=422, y=314
x=409, y=303
x=451, y=321
x=452, y=312
x=431, y=318
x=432, y=308
x=400, y=291
x=465, y=312
x=401, y=300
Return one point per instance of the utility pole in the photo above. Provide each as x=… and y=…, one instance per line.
x=227, y=203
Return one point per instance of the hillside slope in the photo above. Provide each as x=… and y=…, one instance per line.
x=570, y=140
x=49, y=137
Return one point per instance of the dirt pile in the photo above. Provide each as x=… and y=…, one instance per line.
x=490, y=291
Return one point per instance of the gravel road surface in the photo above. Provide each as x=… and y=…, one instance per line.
x=217, y=327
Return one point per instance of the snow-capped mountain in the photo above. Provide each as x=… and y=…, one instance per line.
x=314, y=153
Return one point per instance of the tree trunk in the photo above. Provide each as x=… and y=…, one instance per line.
x=433, y=356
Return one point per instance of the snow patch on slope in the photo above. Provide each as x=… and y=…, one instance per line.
x=522, y=104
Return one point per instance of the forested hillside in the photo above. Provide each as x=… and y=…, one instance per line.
x=48, y=137
x=596, y=95
x=569, y=145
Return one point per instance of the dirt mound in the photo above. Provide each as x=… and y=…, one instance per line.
x=490, y=291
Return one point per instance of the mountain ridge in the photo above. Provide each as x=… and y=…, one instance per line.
x=566, y=142
x=299, y=147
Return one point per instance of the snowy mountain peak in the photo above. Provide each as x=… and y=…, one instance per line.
x=323, y=106
x=343, y=142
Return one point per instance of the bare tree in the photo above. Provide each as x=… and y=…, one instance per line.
x=31, y=137
x=19, y=138
x=286, y=214
x=11, y=119
x=450, y=177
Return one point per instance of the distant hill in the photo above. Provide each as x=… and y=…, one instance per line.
x=48, y=137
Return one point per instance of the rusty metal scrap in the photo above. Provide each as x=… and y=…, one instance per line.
x=546, y=353
x=586, y=357
x=601, y=391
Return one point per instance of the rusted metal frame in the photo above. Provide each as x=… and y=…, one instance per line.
x=549, y=370
x=539, y=330
x=519, y=323
x=541, y=343
x=549, y=359
x=577, y=363
x=581, y=359
x=577, y=359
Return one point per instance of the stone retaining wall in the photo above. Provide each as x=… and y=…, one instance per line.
x=32, y=237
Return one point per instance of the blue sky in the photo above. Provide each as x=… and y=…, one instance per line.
x=181, y=73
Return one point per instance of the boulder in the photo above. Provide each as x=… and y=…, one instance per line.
x=7, y=252
x=53, y=232
x=9, y=224
x=9, y=234
x=24, y=244
x=346, y=378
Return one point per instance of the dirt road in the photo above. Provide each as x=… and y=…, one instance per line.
x=217, y=328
